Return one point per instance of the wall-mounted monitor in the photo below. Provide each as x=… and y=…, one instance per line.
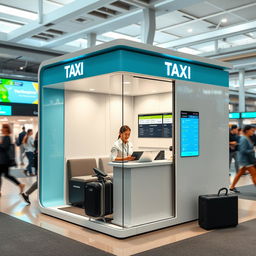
x=234, y=115
x=18, y=97
x=155, y=125
x=18, y=91
x=189, y=133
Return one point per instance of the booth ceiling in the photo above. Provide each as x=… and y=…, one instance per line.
x=44, y=29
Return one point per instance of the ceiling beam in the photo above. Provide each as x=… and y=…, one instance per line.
x=125, y=19
x=3, y=36
x=207, y=17
x=213, y=35
x=232, y=53
x=66, y=12
x=32, y=54
x=247, y=94
x=137, y=3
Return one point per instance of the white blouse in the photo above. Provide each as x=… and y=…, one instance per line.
x=121, y=149
x=29, y=146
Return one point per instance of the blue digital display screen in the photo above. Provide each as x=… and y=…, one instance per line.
x=5, y=110
x=234, y=115
x=248, y=115
x=189, y=133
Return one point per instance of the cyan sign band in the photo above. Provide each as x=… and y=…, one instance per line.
x=134, y=62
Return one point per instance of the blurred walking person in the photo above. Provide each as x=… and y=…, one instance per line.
x=5, y=144
x=28, y=142
x=233, y=146
x=34, y=185
x=246, y=157
x=21, y=145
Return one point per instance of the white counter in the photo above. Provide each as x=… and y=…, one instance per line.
x=143, y=192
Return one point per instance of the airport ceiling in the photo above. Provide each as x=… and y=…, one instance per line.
x=34, y=30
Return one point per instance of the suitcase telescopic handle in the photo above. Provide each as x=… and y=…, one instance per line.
x=223, y=189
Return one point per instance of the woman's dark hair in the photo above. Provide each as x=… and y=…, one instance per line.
x=247, y=128
x=7, y=127
x=36, y=137
x=123, y=128
x=25, y=140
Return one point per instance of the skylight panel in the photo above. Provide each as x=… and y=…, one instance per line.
x=8, y=27
x=18, y=12
x=189, y=50
x=115, y=35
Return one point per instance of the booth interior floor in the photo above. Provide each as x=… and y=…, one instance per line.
x=13, y=204
x=80, y=211
x=20, y=238
x=73, y=209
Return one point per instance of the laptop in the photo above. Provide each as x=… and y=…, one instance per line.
x=146, y=157
x=160, y=155
x=137, y=154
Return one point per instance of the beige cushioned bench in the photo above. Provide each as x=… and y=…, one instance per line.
x=81, y=169
x=79, y=172
x=104, y=166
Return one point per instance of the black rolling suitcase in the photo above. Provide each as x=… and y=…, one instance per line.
x=218, y=211
x=98, y=201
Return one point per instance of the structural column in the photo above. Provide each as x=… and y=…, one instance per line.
x=40, y=11
x=148, y=26
x=91, y=40
x=241, y=92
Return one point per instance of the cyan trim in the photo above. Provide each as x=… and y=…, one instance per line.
x=134, y=62
x=51, y=147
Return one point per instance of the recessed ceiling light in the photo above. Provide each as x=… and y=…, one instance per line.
x=190, y=30
x=224, y=20
x=127, y=82
x=91, y=89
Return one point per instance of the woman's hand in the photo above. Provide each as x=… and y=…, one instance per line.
x=130, y=158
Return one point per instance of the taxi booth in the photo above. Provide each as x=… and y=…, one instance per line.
x=176, y=106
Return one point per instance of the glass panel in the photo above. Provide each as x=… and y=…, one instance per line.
x=116, y=146
x=148, y=193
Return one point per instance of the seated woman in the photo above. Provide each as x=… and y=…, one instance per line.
x=122, y=148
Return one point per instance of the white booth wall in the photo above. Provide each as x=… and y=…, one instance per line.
x=92, y=135
x=208, y=172
x=150, y=104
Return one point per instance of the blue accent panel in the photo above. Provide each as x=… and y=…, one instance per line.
x=51, y=147
x=135, y=62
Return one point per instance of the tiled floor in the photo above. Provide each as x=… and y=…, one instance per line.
x=12, y=203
